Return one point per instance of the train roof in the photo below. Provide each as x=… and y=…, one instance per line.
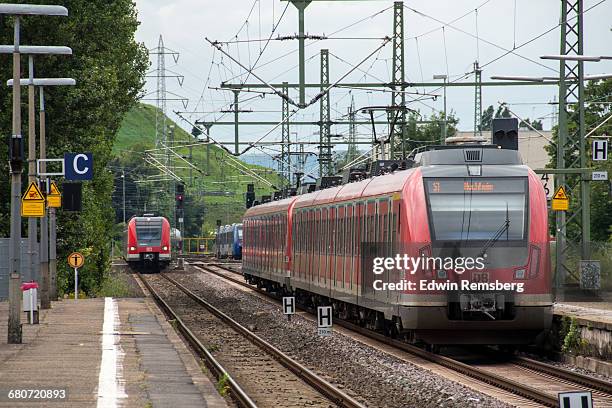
x=271, y=207
x=386, y=184
x=147, y=218
x=438, y=161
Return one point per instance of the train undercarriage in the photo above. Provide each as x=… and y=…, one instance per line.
x=429, y=326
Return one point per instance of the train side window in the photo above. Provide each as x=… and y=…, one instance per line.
x=325, y=221
x=300, y=231
x=340, y=234
x=347, y=230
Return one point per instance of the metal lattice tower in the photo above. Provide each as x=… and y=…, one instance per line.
x=165, y=157
x=161, y=93
x=571, y=149
x=398, y=99
x=325, y=164
x=285, y=159
x=352, y=152
x=477, y=100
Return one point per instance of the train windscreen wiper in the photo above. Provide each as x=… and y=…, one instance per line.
x=505, y=227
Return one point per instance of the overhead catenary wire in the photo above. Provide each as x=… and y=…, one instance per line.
x=478, y=37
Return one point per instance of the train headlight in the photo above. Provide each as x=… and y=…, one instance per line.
x=132, y=248
x=165, y=248
x=474, y=170
x=519, y=274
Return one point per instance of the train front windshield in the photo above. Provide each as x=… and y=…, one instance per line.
x=148, y=233
x=472, y=210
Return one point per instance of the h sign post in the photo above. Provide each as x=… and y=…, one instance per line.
x=324, y=320
x=600, y=150
x=78, y=166
x=289, y=306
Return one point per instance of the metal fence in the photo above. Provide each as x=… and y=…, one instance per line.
x=198, y=246
x=27, y=274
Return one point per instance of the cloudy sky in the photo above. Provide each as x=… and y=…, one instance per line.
x=441, y=38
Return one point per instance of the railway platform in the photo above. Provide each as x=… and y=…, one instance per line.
x=102, y=352
x=594, y=326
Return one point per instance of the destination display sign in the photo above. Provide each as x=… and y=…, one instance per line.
x=472, y=185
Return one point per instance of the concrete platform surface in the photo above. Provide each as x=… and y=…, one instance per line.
x=597, y=314
x=103, y=353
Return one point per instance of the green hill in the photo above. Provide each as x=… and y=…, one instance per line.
x=212, y=192
x=138, y=127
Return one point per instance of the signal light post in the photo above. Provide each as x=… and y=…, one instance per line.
x=16, y=164
x=180, y=198
x=48, y=227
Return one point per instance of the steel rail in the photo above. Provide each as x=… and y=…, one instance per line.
x=324, y=387
x=554, y=371
x=473, y=372
x=564, y=374
x=217, y=369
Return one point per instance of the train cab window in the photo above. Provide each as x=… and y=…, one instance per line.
x=148, y=233
x=467, y=210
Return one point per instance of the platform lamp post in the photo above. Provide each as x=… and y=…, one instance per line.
x=445, y=78
x=48, y=226
x=31, y=51
x=18, y=11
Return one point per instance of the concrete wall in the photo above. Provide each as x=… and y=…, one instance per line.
x=26, y=273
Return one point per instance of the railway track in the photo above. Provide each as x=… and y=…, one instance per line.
x=254, y=371
x=531, y=379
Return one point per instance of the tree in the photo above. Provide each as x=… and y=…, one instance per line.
x=487, y=118
x=109, y=67
x=600, y=95
x=536, y=124
x=502, y=112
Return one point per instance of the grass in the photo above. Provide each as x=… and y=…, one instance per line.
x=137, y=133
x=222, y=385
x=113, y=286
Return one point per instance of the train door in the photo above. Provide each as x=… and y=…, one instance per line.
x=383, y=239
x=340, y=246
x=369, y=237
x=296, y=241
x=324, y=247
x=310, y=245
x=316, y=253
x=359, y=227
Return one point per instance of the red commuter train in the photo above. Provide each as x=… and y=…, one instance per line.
x=454, y=202
x=147, y=243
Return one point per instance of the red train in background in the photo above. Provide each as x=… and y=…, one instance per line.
x=454, y=201
x=147, y=243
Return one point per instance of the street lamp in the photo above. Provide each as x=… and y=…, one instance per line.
x=445, y=78
x=30, y=51
x=16, y=163
x=48, y=227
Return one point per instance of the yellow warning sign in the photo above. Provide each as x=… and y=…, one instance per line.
x=53, y=190
x=32, y=202
x=54, y=198
x=76, y=260
x=560, y=200
x=32, y=193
